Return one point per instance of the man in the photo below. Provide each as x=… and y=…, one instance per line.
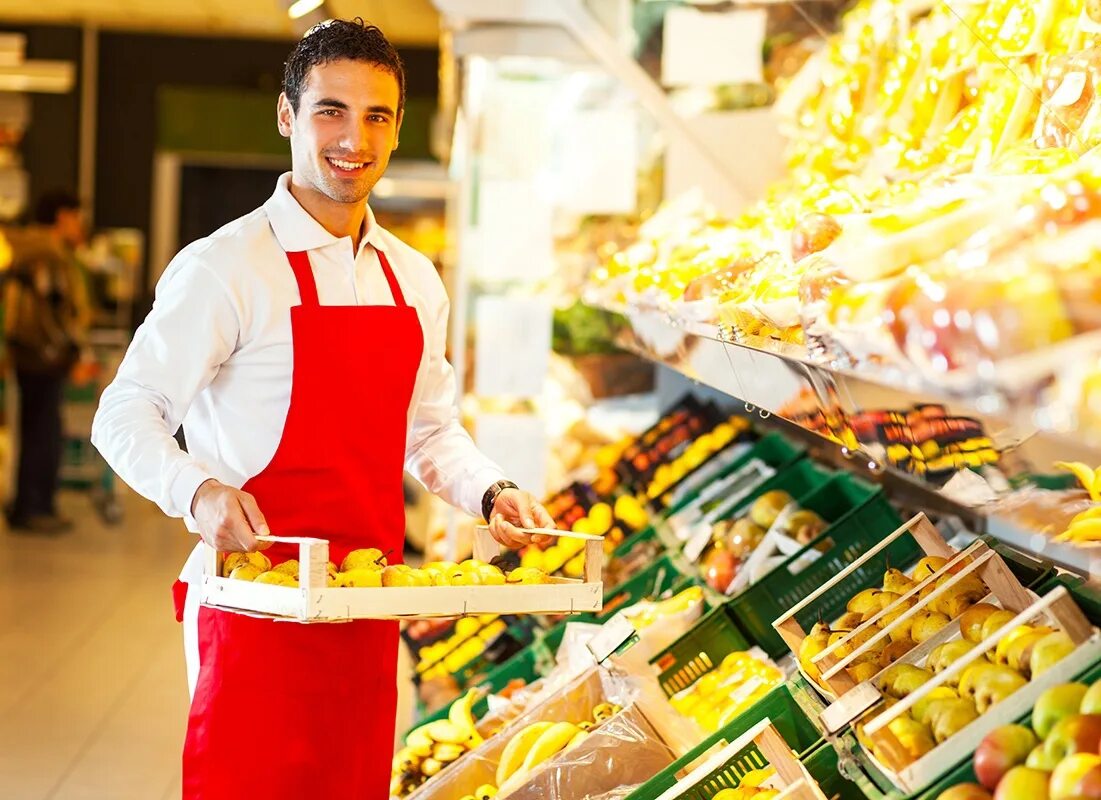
x=302, y=347
x=46, y=317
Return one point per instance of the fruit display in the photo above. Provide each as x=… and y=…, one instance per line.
x=1023, y=654
x=685, y=603
x=960, y=601
x=751, y=787
x=431, y=748
x=468, y=640
x=726, y=692
x=1056, y=757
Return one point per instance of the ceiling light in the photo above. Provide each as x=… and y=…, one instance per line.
x=300, y=8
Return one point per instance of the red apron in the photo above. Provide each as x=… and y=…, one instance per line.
x=285, y=710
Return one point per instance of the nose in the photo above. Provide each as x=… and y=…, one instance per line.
x=355, y=137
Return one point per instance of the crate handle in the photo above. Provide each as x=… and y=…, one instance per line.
x=912, y=612
x=1060, y=605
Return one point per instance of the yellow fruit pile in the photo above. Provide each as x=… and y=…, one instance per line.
x=470, y=638
x=432, y=747
x=728, y=691
x=367, y=568
x=534, y=744
x=565, y=555
x=1022, y=654
x=693, y=456
x=903, y=638
x=751, y=787
x=1086, y=526
x=644, y=614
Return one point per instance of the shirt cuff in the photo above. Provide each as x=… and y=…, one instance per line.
x=184, y=486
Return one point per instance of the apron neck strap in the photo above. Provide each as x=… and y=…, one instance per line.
x=307, y=288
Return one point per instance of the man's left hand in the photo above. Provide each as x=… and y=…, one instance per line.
x=515, y=508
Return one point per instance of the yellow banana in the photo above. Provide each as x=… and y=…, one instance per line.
x=445, y=731
x=1086, y=530
x=430, y=767
x=553, y=739
x=462, y=716
x=578, y=738
x=1086, y=475
x=517, y=749
x=603, y=712
x=1093, y=512
x=419, y=743
x=446, y=753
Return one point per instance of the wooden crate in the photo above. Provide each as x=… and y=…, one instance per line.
x=976, y=559
x=726, y=767
x=314, y=601
x=1058, y=609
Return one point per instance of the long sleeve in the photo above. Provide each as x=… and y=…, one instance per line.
x=191, y=331
x=440, y=453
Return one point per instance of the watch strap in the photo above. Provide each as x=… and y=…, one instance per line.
x=490, y=497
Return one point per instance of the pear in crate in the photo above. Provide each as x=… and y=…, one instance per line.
x=942, y=656
x=969, y=679
x=881, y=601
x=234, y=560
x=973, y=619
x=894, y=651
x=1001, y=650
x=994, y=622
x=916, y=738
x=954, y=601
x=900, y=679
x=927, y=567
x=849, y=621
x=895, y=580
x=996, y=684
x=926, y=624
x=901, y=632
x=814, y=643
x=863, y=670
x=953, y=717
x=1047, y=652
x=923, y=710
x=864, y=602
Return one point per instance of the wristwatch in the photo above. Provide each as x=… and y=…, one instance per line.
x=490, y=497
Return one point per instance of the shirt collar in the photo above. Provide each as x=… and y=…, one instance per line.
x=296, y=230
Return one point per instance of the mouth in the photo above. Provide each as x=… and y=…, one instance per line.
x=349, y=169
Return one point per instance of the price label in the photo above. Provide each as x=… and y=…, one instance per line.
x=612, y=635
x=697, y=541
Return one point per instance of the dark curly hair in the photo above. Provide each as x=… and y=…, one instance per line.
x=352, y=39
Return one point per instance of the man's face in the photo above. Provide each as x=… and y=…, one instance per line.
x=70, y=226
x=345, y=128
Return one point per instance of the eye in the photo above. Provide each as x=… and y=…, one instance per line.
x=378, y=118
x=328, y=112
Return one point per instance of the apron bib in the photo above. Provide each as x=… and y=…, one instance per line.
x=284, y=710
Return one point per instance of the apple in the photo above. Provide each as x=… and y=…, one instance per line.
x=719, y=568
x=813, y=233
x=1039, y=759
x=1078, y=733
x=1047, y=652
x=1091, y=702
x=1022, y=783
x=1059, y=701
x=965, y=791
x=1001, y=750
x=1078, y=775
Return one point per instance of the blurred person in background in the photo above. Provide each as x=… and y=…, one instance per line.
x=46, y=317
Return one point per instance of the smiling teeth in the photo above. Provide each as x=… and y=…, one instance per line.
x=346, y=164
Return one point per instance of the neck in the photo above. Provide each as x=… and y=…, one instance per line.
x=339, y=219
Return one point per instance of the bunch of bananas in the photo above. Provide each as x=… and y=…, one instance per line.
x=431, y=747
x=750, y=787
x=728, y=691
x=1085, y=527
x=644, y=614
x=534, y=744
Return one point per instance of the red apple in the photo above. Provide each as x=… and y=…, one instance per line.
x=719, y=568
x=1091, y=702
x=1078, y=775
x=1078, y=733
x=965, y=791
x=1022, y=783
x=1002, y=749
x=813, y=234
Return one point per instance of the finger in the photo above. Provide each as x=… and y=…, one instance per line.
x=505, y=533
x=542, y=540
x=239, y=530
x=254, y=518
x=544, y=518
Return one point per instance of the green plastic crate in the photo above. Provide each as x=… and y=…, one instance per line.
x=773, y=449
x=823, y=766
x=787, y=716
x=869, y=518
x=1029, y=570
x=799, y=479
x=699, y=650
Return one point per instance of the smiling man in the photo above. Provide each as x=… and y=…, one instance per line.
x=302, y=348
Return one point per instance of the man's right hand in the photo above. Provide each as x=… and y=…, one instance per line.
x=229, y=520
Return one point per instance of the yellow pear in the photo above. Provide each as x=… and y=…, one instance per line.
x=369, y=558
x=362, y=577
x=275, y=579
x=927, y=567
x=234, y=560
x=245, y=572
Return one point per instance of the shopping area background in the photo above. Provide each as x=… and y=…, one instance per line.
x=738, y=290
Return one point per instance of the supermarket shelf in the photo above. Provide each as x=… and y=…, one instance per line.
x=1083, y=560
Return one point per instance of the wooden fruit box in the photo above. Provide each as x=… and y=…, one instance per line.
x=314, y=601
x=977, y=559
x=1057, y=609
x=726, y=767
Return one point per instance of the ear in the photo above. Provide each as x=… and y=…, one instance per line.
x=284, y=116
x=397, y=129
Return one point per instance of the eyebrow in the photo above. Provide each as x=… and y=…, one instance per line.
x=332, y=102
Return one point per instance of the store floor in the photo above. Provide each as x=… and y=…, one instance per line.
x=93, y=695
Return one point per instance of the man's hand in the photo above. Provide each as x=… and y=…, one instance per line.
x=513, y=508
x=229, y=519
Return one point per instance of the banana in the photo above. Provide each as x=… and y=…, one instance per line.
x=485, y=792
x=585, y=725
x=430, y=767
x=603, y=711
x=517, y=749
x=1086, y=530
x=446, y=753
x=578, y=738
x=446, y=732
x=1093, y=512
x=549, y=742
x=1086, y=475
x=461, y=716
x=404, y=760
x=420, y=743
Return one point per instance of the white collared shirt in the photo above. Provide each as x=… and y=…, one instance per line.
x=215, y=354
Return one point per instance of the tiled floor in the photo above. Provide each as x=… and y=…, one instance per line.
x=93, y=697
